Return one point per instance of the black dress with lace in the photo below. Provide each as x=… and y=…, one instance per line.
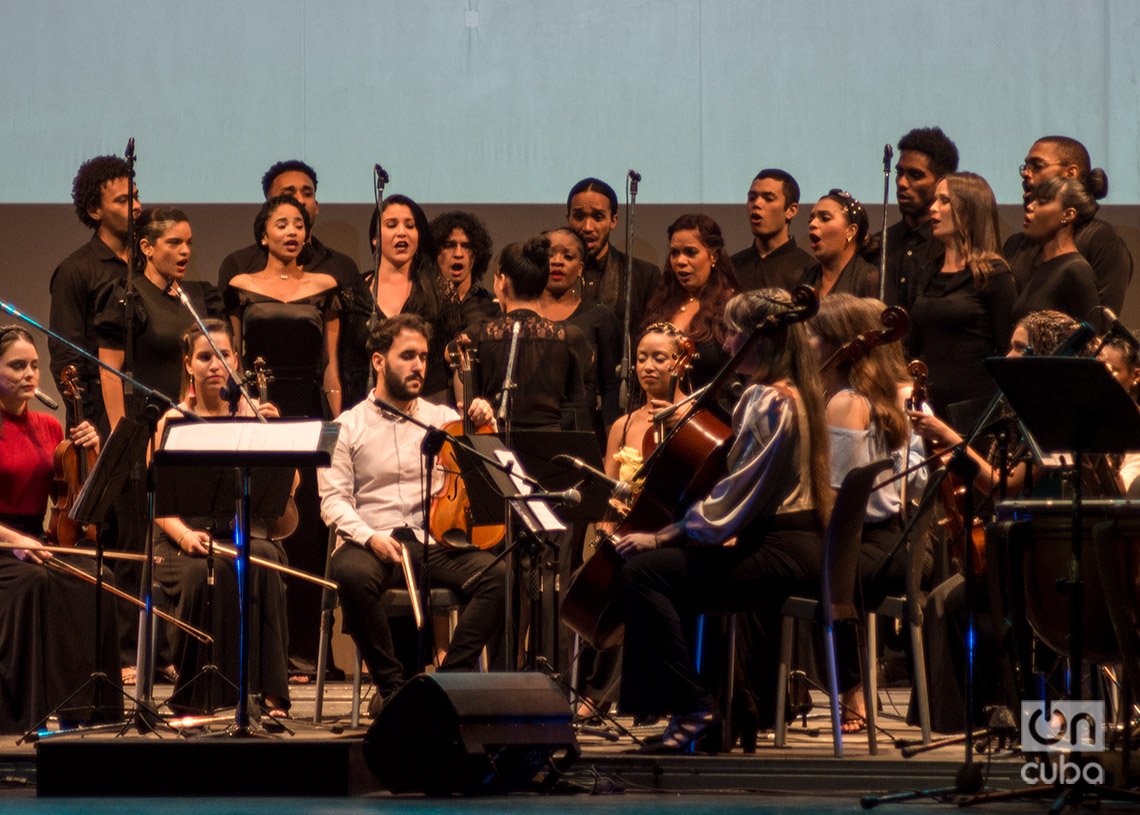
x=546, y=369
x=432, y=302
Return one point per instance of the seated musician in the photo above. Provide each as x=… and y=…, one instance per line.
x=47, y=650
x=774, y=500
x=655, y=363
x=944, y=625
x=183, y=572
x=373, y=494
x=866, y=421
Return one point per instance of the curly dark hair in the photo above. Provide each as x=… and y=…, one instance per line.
x=87, y=188
x=935, y=145
x=269, y=207
x=481, y=244
x=709, y=320
x=384, y=334
x=280, y=167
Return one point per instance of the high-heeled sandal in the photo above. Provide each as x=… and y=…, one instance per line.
x=684, y=731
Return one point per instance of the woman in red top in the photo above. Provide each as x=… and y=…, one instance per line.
x=46, y=647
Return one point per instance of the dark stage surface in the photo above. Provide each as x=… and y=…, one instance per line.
x=800, y=778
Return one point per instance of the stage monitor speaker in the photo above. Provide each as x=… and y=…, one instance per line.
x=471, y=733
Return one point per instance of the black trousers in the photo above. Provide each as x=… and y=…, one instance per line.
x=363, y=578
x=662, y=588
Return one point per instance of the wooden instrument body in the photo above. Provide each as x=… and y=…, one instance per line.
x=450, y=521
x=71, y=464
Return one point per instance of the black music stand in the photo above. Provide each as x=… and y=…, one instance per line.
x=1090, y=414
x=125, y=446
x=245, y=444
x=209, y=492
x=490, y=487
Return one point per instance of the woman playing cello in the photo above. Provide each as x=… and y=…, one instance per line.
x=774, y=501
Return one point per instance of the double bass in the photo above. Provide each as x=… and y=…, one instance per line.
x=683, y=469
x=72, y=464
x=450, y=521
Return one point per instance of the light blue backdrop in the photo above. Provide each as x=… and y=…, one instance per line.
x=510, y=101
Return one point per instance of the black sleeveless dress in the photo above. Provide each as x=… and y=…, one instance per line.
x=289, y=336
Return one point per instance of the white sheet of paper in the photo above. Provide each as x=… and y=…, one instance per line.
x=252, y=436
x=535, y=513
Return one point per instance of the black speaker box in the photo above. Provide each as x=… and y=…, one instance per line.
x=472, y=733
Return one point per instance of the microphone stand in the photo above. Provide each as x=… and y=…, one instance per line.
x=625, y=373
x=145, y=712
x=509, y=385
x=380, y=179
x=888, y=154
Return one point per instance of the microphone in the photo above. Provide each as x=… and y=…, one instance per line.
x=888, y=154
x=129, y=153
x=509, y=379
x=1076, y=342
x=621, y=490
x=634, y=176
x=382, y=178
x=569, y=498
x=47, y=400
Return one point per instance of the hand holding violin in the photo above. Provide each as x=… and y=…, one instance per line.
x=481, y=412
x=84, y=435
x=933, y=429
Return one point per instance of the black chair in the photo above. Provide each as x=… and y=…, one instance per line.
x=836, y=600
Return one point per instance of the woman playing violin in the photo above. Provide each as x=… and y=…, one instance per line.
x=774, y=501
x=866, y=422
x=183, y=545
x=45, y=617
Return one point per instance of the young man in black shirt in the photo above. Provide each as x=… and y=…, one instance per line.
x=926, y=155
x=772, y=259
x=296, y=178
x=591, y=211
x=100, y=193
x=1096, y=240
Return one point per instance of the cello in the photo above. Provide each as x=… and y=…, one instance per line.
x=450, y=521
x=72, y=464
x=683, y=468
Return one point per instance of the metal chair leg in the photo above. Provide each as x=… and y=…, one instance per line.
x=833, y=690
x=787, y=632
x=356, y=682
x=918, y=669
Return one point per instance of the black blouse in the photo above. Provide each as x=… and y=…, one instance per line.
x=858, y=277
x=546, y=372
x=599, y=364
x=1067, y=283
x=160, y=320
x=954, y=327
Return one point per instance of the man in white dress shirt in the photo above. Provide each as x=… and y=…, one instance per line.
x=373, y=494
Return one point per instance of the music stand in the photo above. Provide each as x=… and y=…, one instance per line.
x=245, y=444
x=209, y=492
x=489, y=486
x=125, y=446
x=1091, y=414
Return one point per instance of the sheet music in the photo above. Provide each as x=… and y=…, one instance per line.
x=537, y=515
x=301, y=436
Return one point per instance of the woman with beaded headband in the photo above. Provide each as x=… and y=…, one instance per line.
x=837, y=231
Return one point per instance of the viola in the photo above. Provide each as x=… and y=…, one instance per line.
x=952, y=491
x=72, y=464
x=896, y=322
x=262, y=375
x=684, y=468
x=450, y=521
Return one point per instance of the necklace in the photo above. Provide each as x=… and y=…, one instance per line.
x=692, y=299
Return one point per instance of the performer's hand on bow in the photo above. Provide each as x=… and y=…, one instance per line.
x=32, y=551
x=386, y=547
x=629, y=545
x=269, y=410
x=194, y=542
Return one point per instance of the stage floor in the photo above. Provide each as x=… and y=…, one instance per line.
x=804, y=776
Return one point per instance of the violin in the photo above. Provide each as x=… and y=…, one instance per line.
x=72, y=464
x=896, y=322
x=450, y=521
x=683, y=468
x=952, y=490
x=262, y=375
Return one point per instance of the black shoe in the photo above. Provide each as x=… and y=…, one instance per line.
x=685, y=731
